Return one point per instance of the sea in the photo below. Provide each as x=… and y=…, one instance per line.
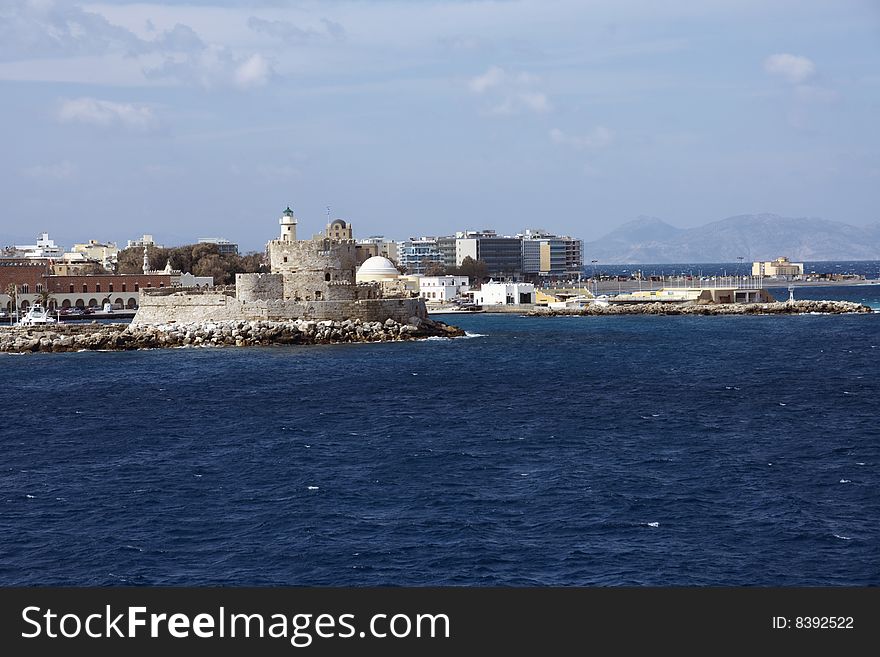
x=570, y=451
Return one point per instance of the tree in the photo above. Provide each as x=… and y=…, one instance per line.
x=12, y=291
x=44, y=297
x=476, y=270
x=198, y=259
x=434, y=268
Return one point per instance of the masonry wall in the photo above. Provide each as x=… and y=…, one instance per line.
x=182, y=307
x=310, y=267
x=253, y=287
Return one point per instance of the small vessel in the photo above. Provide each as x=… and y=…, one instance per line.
x=36, y=316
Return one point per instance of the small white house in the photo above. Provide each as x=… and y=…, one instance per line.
x=438, y=289
x=494, y=294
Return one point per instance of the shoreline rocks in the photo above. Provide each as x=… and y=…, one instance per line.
x=123, y=337
x=657, y=308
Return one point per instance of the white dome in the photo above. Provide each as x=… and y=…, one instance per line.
x=377, y=268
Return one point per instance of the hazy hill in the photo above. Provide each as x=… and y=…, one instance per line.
x=753, y=237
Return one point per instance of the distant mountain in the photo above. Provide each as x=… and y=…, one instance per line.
x=752, y=237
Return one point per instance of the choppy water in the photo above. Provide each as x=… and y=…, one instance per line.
x=575, y=451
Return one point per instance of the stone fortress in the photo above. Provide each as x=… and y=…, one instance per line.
x=313, y=279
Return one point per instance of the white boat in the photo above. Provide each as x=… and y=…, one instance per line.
x=36, y=316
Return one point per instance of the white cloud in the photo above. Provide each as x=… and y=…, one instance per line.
x=598, y=137
x=60, y=171
x=253, y=72
x=793, y=68
x=106, y=113
x=512, y=92
x=493, y=77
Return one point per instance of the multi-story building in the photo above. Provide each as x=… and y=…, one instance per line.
x=225, y=246
x=502, y=255
x=378, y=245
x=417, y=254
x=103, y=253
x=145, y=240
x=780, y=267
x=446, y=247
x=545, y=254
x=44, y=248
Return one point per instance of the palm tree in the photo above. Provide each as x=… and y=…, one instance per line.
x=44, y=297
x=12, y=291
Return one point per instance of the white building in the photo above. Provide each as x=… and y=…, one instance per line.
x=495, y=294
x=44, y=248
x=442, y=288
x=146, y=240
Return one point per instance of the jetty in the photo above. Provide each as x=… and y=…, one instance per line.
x=667, y=308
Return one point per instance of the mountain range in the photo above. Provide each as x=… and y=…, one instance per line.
x=749, y=236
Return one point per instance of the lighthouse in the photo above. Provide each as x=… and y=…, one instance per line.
x=288, y=225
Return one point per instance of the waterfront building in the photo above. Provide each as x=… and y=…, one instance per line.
x=437, y=289
x=494, y=294
x=502, y=255
x=781, y=267
x=446, y=248
x=545, y=254
x=417, y=254
x=224, y=246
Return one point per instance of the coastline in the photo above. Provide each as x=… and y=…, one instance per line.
x=125, y=337
x=657, y=308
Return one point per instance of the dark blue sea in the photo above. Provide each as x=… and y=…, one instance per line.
x=627, y=450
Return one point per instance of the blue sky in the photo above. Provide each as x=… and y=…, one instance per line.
x=426, y=117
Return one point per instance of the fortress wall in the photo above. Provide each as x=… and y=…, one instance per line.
x=252, y=287
x=183, y=308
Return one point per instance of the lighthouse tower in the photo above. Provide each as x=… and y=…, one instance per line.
x=288, y=226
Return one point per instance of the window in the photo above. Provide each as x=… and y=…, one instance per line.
x=25, y=289
x=71, y=288
x=161, y=284
x=327, y=276
x=97, y=287
x=39, y=287
x=111, y=287
x=85, y=288
x=123, y=287
x=285, y=258
x=136, y=287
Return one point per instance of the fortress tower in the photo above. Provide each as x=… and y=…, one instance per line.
x=319, y=269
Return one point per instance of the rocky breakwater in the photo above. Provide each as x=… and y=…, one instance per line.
x=777, y=308
x=121, y=337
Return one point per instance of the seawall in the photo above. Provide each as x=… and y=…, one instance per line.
x=121, y=337
x=776, y=308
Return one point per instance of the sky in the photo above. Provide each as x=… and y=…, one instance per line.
x=424, y=117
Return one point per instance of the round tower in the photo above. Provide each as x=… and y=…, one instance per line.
x=288, y=225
